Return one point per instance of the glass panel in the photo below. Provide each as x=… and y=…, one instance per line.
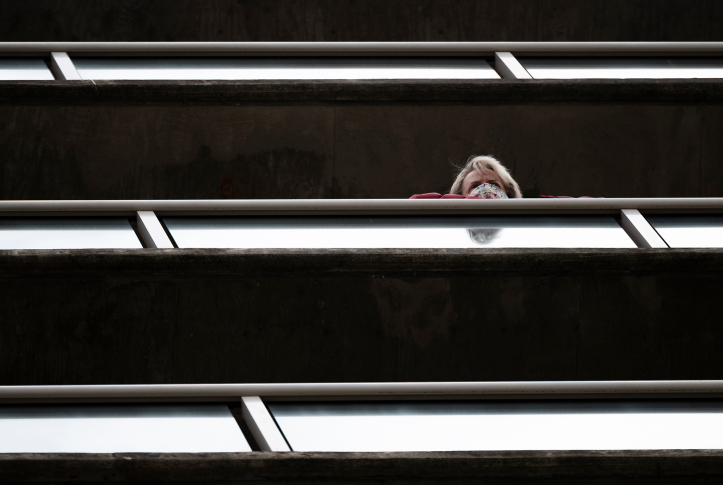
x=24, y=69
x=623, y=68
x=690, y=231
x=117, y=429
x=399, y=232
x=500, y=425
x=67, y=233
x=283, y=68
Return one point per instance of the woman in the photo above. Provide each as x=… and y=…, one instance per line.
x=482, y=177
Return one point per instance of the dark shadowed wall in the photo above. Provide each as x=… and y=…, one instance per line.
x=361, y=20
x=372, y=148
x=212, y=316
x=354, y=150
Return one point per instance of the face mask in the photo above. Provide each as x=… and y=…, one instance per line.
x=487, y=191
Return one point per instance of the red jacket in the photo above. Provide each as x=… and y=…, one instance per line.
x=435, y=195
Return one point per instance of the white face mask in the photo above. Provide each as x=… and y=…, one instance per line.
x=487, y=191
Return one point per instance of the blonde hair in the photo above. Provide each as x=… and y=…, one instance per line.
x=487, y=163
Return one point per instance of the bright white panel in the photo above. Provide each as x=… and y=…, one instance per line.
x=67, y=233
x=450, y=426
x=251, y=68
x=24, y=69
x=397, y=232
x=120, y=429
x=691, y=231
x=623, y=68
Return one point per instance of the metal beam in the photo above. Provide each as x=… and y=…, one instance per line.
x=262, y=425
x=509, y=67
x=356, y=206
x=62, y=67
x=377, y=390
x=640, y=230
x=366, y=48
x=151, y=230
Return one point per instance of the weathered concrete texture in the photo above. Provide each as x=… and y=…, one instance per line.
x=368, y=20
x=711, y=142
x=611, y=151
x=553, y=467
x=166, y=152
x=418, y=91
x=196, y=316
x=356, y=150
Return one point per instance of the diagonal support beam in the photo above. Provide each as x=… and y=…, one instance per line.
x=62, y=67
x=640, y=230
x=262, y=425
x=151, y=230
x=509, y=67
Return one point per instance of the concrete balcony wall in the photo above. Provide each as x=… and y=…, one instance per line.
x=461, y=467
x=187, y=140
x=215, y=316
x=366, y=20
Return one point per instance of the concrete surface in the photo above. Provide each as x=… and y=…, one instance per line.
x=365, y=20
x=556, y=467
x=158, y=140
x=195, y=316
x=418, y=91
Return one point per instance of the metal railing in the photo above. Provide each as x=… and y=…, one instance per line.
x=359, y=206
x=153, y=235
x=504, y=53
x=376, y=390
x=269, y=436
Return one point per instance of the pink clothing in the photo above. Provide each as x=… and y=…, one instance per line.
x=568, y=197
x=435, y=195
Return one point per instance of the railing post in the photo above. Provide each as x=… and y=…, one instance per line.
x=509, y=67
x=262, y=425
x=151, y=231
x=640, y=230
x=63, y=68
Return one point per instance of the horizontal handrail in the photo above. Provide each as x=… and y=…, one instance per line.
x=357, y=206
x=365, y=48
x=429, y=390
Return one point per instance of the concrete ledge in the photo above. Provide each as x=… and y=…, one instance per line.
x=173, y=263
x=78, y=140
x=214, y=316
x=676, y=466
x=689, y=91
